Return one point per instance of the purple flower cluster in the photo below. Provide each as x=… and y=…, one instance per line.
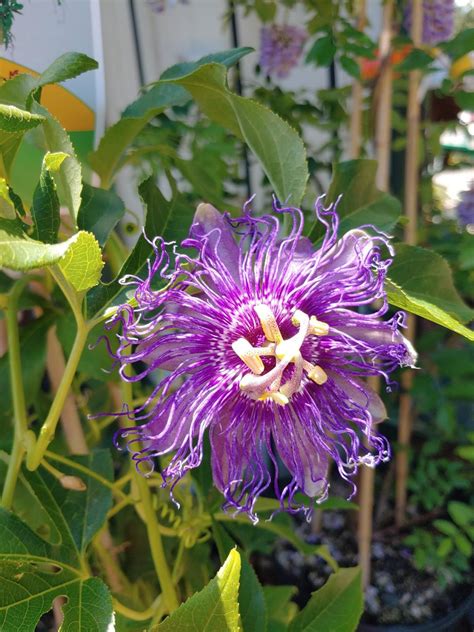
x=280, y=48
x=465, y=209
x=266, y=343
x=158, y=6
x=438, y=20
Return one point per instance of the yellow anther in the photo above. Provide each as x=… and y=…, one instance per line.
x=277, y=397
x=269, y=323
x=248, y=355
x=315, y=373
x=317, y=328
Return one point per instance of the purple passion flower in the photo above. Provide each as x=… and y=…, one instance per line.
x=465, y=209
x=438, y=20
x=280, y=48
x=266, y=343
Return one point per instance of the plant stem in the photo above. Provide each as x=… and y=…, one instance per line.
x=85, y=470
x=152, y=526
x=49, y=427
x=14, y=466
x=134, y=615
x=20, y=417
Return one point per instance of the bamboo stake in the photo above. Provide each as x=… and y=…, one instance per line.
x=70, y=420
x=383, y=123
x=382, y=150
x=357, y=95
x=411, y=208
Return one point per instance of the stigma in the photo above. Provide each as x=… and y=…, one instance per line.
x=262, y=386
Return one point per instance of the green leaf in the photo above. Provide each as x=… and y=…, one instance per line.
x=337, y=503
x=108, y=156
x=170, y=219
x=34, y=571
x=13, y=120
x=45, y=210
x=227, y=58
x=277, y=146
x=420, y=281
x=82, y=262
x=215, y=608
x=95, y=361
x=277, y=526
x=445, y=547
x=446, y=527
x=336, y=607
x=68, y=177
x=417, y=59
x=89, y=607
x=322, y=51
x=281, y=610
x=33, y=357
x=464, y=99
x=466, y=452
x=84, y=512
x=266, y=10
x=13, y=92
x=461, y=513
x=115, y=141
x=100, y=212
x=460, y=45
x=65, y=67
x=463, y=544
x=350, y=66
x=7, y=207
x=361, y=202
x=251, y=601
x=79, y=257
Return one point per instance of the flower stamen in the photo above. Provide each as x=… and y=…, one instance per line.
x=259, y=386
x=317, y=328
x=315, y=372
x=269, y=323
x=249, y=355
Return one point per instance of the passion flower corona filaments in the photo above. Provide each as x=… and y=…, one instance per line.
x=266, y=342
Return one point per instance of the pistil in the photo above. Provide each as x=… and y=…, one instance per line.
x=262, y=386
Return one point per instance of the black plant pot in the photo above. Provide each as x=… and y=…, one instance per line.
x=449, y=623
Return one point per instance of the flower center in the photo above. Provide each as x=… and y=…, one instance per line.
x=271, y=385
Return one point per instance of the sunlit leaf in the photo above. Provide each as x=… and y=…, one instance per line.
x=65, y=67
x=215, y=608
x=108, y=156
x=12, y=119
x=277, y=146
x=68, y=177
x=45, y=210
x=420, y=281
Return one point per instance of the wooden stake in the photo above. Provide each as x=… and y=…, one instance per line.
x=383, y=122
x=70, y=420
x=383, y=133
x=357, y=95
x=411, y=209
